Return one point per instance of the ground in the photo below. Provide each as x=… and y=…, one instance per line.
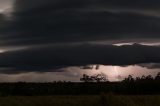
x=85, y=100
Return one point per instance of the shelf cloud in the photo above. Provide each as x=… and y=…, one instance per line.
x=57, y=57
x=56, y=32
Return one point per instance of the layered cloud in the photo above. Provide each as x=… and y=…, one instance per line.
x=52, y=58
x=46, y=21
x=53, y=33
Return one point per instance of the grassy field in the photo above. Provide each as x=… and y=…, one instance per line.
x=97, y=100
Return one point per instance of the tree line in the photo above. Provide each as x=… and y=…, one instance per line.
x=103, y=78
x=91, y=85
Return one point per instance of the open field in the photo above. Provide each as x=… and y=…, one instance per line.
x=87, y=100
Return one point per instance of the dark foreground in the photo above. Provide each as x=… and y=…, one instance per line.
x=146, y=85
x=70, y=88
x=125, y=93
x=94, y=100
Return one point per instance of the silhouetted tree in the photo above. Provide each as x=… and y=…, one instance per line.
x=158, y=76
x=138, y=78
x=129, y=79
x=143, y=77
x=86, y=78
x=100, y=78
x=94, y=78
x=149, y=78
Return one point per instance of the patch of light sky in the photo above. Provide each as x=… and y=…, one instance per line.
x=6, y=6
x=113, y=73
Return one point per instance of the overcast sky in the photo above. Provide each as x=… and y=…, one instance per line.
x=50, y=35
x=5, y=4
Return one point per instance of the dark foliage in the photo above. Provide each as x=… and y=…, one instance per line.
x=129, y=86
x=94, y=78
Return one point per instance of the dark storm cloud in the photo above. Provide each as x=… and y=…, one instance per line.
x=4, y=4
x=2, y=21
x=136, y=4
x=53, y=58
x=65, y=24
x=150, y=65
x=52, y=21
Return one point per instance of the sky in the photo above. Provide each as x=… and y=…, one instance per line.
x=46, y=40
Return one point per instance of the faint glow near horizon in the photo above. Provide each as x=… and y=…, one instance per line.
x=2, y=51
x=142, y=43
x=6, y=7
x=113, y=73
x=1, y=10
